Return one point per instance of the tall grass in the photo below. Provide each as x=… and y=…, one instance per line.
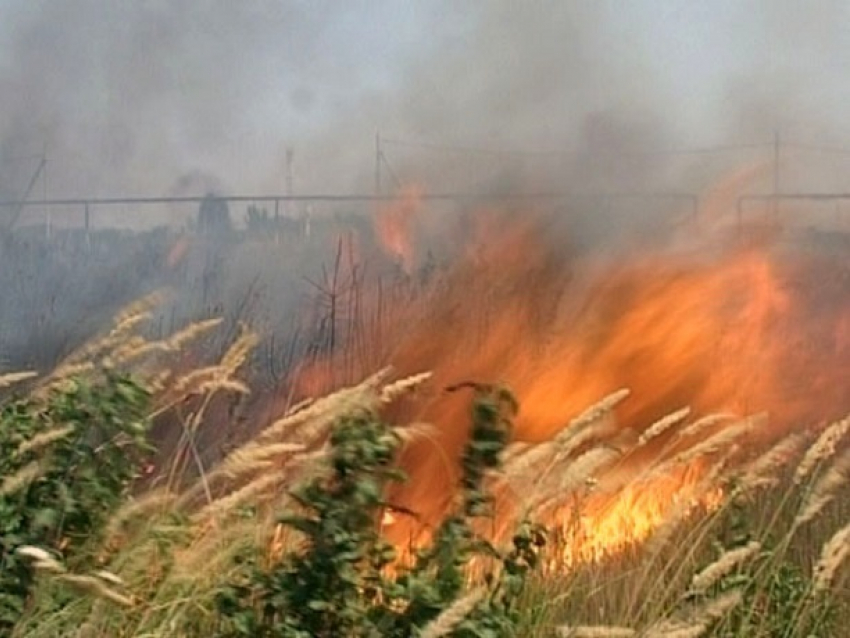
x=764, y=556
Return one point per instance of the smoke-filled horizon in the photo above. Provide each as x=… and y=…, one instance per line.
x=180, y=98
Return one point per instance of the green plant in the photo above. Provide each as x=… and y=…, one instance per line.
x=338, y=583
x=66, y=462
x=777, y=595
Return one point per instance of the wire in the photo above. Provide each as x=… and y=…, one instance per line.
x=503, y=153
x=838, y=150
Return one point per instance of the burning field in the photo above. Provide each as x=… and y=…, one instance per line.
x=697, y=354
x=663, y=388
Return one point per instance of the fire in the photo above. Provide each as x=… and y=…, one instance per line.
x=601, y=525
x=394, y=228
x=711, y=324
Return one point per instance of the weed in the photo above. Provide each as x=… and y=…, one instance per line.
x=66, y=464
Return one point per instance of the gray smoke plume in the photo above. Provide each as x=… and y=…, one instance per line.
x=135, y=98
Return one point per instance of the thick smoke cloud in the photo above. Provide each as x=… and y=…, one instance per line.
x=160, y=97
x=141, y=98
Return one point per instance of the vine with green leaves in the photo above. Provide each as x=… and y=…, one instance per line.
x=338, y=583
x=66, y=462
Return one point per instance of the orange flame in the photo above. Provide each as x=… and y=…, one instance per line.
x=394, y=226
x=720, y=327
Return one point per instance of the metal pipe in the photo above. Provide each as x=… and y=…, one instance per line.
x=107, y=201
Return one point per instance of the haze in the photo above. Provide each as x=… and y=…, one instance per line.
x=163, y=97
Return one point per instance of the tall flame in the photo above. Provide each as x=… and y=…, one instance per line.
x=718, y=326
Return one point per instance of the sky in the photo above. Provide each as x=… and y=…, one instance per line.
x=160, y=97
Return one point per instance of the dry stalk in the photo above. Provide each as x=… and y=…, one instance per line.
x=451, y=617
x=824, y=490
x=595, y=631
x=21, y=478
x=12, y=378
x=44, y=439
x=822, y=449
x=663, y=425
x=401, y=387
x=833, y=555
x=762, y=471
x=728, y=561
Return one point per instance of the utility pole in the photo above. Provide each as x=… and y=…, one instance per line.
x=289, y=156
x=378, y=156
x=776, y=144
x=47, y=216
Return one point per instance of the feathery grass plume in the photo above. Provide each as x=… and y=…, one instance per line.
x=677, y=630
x=585, y=466
x=590, y=433
x=196, y=376
x=718, y=607
x=514, y=450
x=157, y=383
x=224, y=385
x=95, y=586
x=833, y=554
x=415, y=431
x=223, y=506
x=452, y=616
x=718, y=440
x=318, y=415
x=26, y=475
x=761, y=473
x=707, y=422
x=824, y=490
x=140, y=306
x=239, y=350
x=44, y=439
x=136, y=350
x=662, y=425
x=700, y=620
x=822, y=449
x=531, y=457
x=728, y=561
x=583, y=429
x=595, y=631
x=126, y=320
x=596, y=411
x=777, y=456
x=249, y=458
x=148, y=504
x=109, y=577
x=66, y=371
x=41, y=559
x=11, y=378
x=549, y=495
x=311, y=421
x=398, y=388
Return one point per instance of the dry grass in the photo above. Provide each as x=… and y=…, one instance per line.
x=168, y=549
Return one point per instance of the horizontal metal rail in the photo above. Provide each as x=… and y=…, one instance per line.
x=108, y=201
x=88, y=203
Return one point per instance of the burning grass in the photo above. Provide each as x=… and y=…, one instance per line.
x=675, y=506
x=631, y=547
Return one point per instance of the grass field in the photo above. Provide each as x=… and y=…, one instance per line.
x=700, y=540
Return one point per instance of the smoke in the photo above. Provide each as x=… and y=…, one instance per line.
x=137, y=98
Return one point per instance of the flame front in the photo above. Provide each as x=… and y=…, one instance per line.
x=710, y=324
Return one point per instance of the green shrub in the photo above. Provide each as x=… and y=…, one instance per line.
x=337, y=584
x=66, y=462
